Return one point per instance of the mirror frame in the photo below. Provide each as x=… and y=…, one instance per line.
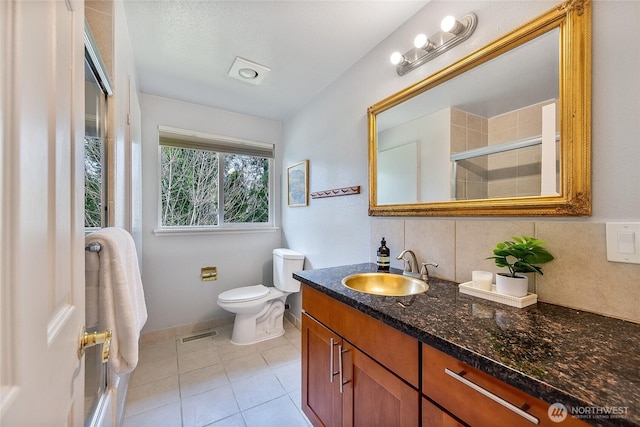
x=573, y=19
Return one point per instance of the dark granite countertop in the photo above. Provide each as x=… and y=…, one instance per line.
x=585, y=361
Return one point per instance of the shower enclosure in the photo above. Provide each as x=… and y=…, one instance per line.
x=97, y=90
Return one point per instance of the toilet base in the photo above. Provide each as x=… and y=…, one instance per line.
x=238, y=339
x=268, y=324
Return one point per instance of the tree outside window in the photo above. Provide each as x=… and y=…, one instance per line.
x=194, y=195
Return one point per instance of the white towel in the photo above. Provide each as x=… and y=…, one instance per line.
x=122, y=308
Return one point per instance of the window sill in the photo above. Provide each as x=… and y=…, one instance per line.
x=183, y=231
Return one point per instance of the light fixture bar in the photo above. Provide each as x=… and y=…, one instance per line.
x=439, y=43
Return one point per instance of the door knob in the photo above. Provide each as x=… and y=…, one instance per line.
x=89, y=339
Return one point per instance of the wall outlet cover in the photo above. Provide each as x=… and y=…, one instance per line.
x=623, y=242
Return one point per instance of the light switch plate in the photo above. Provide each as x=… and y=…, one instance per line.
x=623, y=242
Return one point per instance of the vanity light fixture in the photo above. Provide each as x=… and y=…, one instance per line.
x=452, y=32
x=451, y=25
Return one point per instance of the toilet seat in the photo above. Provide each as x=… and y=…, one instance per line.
x=244, y=293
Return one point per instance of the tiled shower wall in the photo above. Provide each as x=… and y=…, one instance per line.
x=510, y=174
x=469, y=131
x=580, y=277
x=515, y=173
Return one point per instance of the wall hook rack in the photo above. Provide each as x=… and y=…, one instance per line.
x=345, y=191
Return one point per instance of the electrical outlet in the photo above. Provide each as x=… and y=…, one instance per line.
x=208, y=274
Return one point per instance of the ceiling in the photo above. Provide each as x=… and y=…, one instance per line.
x=184, y=49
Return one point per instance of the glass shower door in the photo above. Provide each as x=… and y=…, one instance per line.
x=97, y=89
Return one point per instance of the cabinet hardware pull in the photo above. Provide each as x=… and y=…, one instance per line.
x=497, y=399
x=332, y=373
x=341, y=351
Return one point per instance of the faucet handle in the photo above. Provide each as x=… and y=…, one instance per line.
x=424, y=271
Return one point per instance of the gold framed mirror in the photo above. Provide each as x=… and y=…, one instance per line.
x=460, y=144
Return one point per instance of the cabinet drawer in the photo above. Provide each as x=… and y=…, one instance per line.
x=480, y=399
x=397, y=351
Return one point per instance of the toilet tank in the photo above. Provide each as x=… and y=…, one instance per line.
x=285, y=262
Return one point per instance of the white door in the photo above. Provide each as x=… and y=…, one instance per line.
x=41, y=212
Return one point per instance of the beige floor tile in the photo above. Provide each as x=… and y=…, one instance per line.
x=203, y=379
x=166, y=416
x=151, y=371
x=295, y=338
x=257, y=390
x=275, y=413
x=245, y=367
x=157, y=350
x=296, y=398
x=233, y=421
x=211, y=382
x=208, y=407
x=194, y=345
x=197, y=359
x=229, y=351
x=272, y=343
x=152, y=396
x=280, y=356
x=290, y=376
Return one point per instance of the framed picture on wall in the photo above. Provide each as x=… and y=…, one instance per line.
x=298, y=184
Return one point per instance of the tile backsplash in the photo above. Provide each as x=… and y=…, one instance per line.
x=579, y=277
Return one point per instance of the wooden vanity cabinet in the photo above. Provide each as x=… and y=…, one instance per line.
x=479, y=399
x=321, y=396
x=344, y=386
x=432, y=416
x=358, y=371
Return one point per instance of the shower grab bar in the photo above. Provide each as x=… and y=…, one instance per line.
x=93, y=247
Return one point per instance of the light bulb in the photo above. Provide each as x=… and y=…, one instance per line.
x=248, y=73
x=396, y=58
x=420, y=41
x=451, y=25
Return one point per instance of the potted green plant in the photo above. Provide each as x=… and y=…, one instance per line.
x=522, y=255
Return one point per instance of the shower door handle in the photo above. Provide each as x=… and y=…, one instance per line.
x=89, y=339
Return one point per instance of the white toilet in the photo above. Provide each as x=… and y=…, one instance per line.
x=260, y=309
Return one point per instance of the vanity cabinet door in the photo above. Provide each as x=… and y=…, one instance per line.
x=321, y=397
x=373, y=396
x=432, y=416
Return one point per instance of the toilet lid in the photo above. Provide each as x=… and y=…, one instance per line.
x=244, y=293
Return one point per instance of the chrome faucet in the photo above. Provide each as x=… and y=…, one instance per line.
x=424, y=272
x=410, y=265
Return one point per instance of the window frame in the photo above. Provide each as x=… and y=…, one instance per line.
x=95, y=65
x=188, y=139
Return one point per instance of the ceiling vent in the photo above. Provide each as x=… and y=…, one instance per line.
x=247, y=71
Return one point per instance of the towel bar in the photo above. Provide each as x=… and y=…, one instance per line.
x=93, y=247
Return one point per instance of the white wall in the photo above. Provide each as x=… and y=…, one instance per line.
x=331, y=132
x=433, y=133
x=171, y=265
x=126, y=114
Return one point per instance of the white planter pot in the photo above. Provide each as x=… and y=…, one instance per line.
x=514, y=286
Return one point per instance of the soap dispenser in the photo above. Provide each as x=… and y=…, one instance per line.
x=383, y=257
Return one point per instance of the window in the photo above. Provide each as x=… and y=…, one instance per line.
x=210, y=181
x=97, y=88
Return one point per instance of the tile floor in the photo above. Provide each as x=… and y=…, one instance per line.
x=211, y=382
